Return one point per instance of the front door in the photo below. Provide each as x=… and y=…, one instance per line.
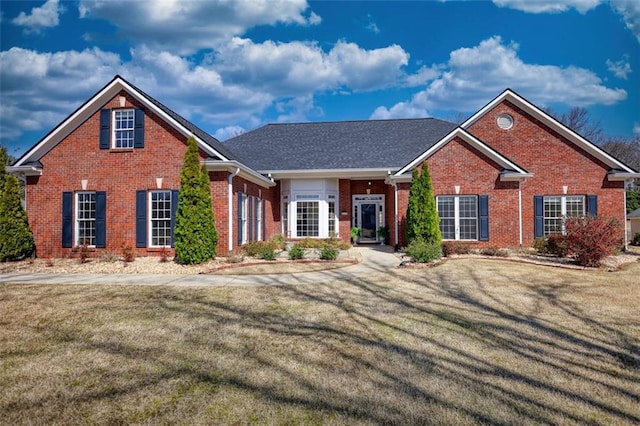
x=368, y=221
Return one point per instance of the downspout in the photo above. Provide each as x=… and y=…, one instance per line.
x=230, y=204
x=395, y=212
x=520, y=209
x=626, y=235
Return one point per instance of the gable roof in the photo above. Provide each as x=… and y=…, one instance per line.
x=510, y=170
x=634, y=214
x=339, y=145
x=619, y=170
x=206, y=142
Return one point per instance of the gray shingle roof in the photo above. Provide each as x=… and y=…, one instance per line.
x=338, y=145
x=634, y=214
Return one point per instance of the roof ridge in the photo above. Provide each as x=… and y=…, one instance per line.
x=358, y=121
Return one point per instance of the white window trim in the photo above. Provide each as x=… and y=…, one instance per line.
x=113, y=128
x=150, y=217
x=356, y=209
x=456, y=216
x=563, y=211
x=245, y=205
x=76, y=231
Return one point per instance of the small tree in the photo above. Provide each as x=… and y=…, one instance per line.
x=592, y=238
x=195, y=233
x=4, y=162
x=423, y=221
x=16, y=239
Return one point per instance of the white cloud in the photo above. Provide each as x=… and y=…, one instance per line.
x=620, y=69
x=400, y=110
x=636, y=128
x=228, y=132
x=195, y=25
x=630, y=11
x=548, y=6
x=476, y=74
x=46, y=16
x=371, y=25
x=423, y=75
x=298, y=68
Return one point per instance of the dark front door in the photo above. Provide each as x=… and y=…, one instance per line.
x=368, y=221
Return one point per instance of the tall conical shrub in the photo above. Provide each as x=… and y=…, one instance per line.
x=16, y=239
x=423, y=221
x=195, y=233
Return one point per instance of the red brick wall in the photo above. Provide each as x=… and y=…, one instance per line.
x=118, y=172
x=344, y=201
x=554, y=161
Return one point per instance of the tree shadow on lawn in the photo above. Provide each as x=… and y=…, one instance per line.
x=443, y=345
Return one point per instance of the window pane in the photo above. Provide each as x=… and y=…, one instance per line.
x=308, y=219
x=575, y=206
x=332, y=219
x=123, y=128
x=160, y=218
x=552, y=215
x=468, y=210
x=86, y=219
x=446, y=211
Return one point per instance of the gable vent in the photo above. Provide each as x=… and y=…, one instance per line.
x=505, y=121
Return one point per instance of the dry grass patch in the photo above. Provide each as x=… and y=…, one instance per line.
x=470, y=341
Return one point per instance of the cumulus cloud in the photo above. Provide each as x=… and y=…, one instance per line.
x=224, y=133
x=46, y=16
x=473, y=75
x=194, y=25
x=620, y=69
x=297, y=68
x=630, y=12
x=548, y=6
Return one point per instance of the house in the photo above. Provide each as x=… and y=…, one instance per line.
x=633, y=224
x=108, y=176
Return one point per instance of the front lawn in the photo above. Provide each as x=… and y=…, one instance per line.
x=469, y=341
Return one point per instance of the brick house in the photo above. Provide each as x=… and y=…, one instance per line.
x=108, y=176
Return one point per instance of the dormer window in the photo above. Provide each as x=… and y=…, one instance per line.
x=123, y=127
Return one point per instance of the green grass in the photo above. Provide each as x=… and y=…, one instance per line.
x=467, y=342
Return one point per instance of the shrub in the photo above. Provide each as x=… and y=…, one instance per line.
x=540, y=245
x=423, y=221
x=494, y=251
x=423, y=252
x=636, y=239
x=328, y=253
x=195, y=233
x=164, y=255
x=128, y=254
x=314, y=243
x=108, y=256
x=451, y=247
x=83, y=253
x=557, y=245
x=279, y=241
x=296, y=252
x=16, y=239
x=591, y=239
x=258, y=248
x=269, y=253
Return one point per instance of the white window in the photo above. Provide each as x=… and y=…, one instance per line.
x=86, y=218
x=557, y=208
x=308, y=219
x=458, y=217
x=160, y=218
x=285, y=216
x=243, y=206
x=258, y=220
x=331, y=226
x=123, y=128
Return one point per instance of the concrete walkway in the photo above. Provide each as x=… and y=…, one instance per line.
x=374, y=259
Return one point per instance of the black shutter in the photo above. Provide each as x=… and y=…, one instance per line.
x=105, y=128
x=483, y=210
x=141, y=218
x=538, y=213
x=138, y=129
x=67, y=219
x=174, y=211
x=592, y=205
x=101, y=219
x=240, y=208
x=250, y=218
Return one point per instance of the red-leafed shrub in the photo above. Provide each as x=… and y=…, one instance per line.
x=452, y=247
x=591, y=239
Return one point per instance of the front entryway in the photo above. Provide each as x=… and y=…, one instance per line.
x=368, y=215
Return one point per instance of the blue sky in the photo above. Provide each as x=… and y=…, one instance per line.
x=233, y=66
